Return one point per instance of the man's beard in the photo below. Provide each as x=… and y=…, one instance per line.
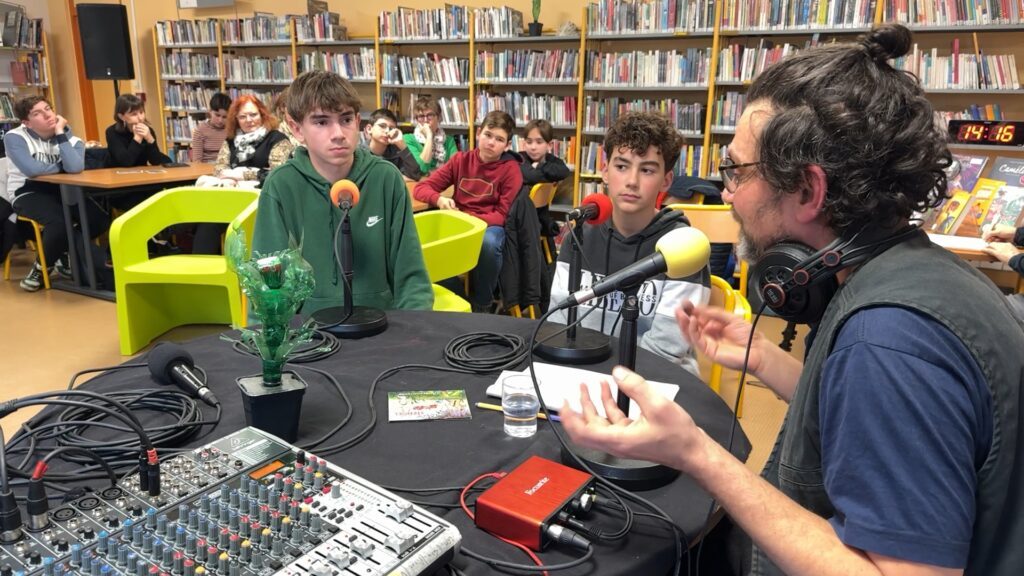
x=749, y=249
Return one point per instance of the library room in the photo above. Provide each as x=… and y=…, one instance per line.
x=744, y=278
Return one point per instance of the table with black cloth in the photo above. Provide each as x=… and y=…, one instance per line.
x=454, y=452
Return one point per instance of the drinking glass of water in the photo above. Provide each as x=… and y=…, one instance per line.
x=519, y=404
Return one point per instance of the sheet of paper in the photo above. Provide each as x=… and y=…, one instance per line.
x=957, y=242
x=559, y=383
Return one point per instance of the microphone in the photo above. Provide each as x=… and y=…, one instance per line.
x=594, y=209
x=169, y=363
x=680, y=253
x=345, y=194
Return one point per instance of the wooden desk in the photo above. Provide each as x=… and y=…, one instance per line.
x=108, y=179
x=1002, y=277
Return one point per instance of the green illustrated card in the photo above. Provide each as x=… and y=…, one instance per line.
x=428, y=405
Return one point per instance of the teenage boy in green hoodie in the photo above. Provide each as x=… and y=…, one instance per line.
x=295, y=207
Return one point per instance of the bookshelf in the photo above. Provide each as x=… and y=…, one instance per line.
x=24, y=61
x=477, y=60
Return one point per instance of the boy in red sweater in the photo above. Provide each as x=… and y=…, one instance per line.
x=486, y=181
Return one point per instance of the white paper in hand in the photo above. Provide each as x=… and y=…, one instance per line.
x=560, y=383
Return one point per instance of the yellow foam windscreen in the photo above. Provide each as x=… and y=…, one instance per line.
x=686, y=251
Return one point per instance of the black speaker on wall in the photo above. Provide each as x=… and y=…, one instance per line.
x=106, y=42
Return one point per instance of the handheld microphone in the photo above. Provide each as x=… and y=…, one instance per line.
x=595, y=209
x=680, y=253
x=169, y=363
x=345, y=194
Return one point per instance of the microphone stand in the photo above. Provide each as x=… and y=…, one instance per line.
x=634, y=475
x=575, y=344
x=349, y=321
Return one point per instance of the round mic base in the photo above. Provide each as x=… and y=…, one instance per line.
x=362, y=322
x=633, y=475
x=588, y=347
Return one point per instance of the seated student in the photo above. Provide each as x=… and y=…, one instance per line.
x=208, y=136
x=281, y=113
x=295, y=207
x=428, y=143
x=539, y=164
x=641, y=149
x=1004, y=244
x=244, y=161
x=386, y=141
x=43, y=144
x=486, y=181
x=130, y=140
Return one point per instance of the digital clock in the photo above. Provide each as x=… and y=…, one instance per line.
x=989, y=132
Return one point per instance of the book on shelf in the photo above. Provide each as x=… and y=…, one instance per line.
x=427, y=69
x=524, y=106
x=960, y=71
x=527, y=66
x=952, y=211
x=652, y=16
x=172, y=32
x=360, y=65
x=322, y=26
x=1006, y=208
x=261, y=27
x=497, y=22
x=973, y=112
x=797, y=14
x=600, y=113
x=982, y=195
x=264, y=95
x=448, y=23
x=258, y=69
x=728, y=109
x=970, y=169
x=1009, y=170
x=946, y=13
x=654, y=68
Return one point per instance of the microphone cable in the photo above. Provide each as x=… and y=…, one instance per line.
x=337, y=260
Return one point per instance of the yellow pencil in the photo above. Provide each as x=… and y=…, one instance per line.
x=497, y=408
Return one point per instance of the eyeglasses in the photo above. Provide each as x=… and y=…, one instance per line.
x=727, y=169
x=253, y=116
x=426, y=117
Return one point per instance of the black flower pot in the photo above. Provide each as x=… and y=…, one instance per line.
x=535, y=28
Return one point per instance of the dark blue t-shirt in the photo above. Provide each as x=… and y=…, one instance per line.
x=906, y=420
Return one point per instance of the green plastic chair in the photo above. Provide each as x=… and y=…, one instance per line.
x=157, y=294
x=451, y=246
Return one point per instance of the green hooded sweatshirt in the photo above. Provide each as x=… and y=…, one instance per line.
x=388, y=270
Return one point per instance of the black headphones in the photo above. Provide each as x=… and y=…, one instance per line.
x=797, y=283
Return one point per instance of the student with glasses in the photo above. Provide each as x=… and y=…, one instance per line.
x=902, y=445
x=429, y=144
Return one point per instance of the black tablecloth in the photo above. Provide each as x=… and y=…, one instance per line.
x=453, y=452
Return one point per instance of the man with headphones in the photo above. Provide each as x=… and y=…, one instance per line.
x=901, y=450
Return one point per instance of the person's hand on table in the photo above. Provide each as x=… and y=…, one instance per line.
x=1001, y=251
x=445, y=203
x=663, y=433
x=999, y=234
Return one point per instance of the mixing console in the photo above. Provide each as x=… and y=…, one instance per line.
x=247, y=504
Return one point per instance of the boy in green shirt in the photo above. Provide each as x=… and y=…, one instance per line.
x=295, y=205
x=429, y=145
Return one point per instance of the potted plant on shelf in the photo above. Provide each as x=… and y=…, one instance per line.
x=536, y=27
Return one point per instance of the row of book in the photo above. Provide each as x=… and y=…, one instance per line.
x=454, y=110
x=258, y=69
x=656, y=68
x=972, y=112
x=20, y=31
x=261, y=27
x=6, y=106
x=182, y=155
x=977, y=204
x=650, y=16
x=593, y=160
x=961, y=71
x=599, y=114
x=796, y=14
x=190, y=65
x=954, y=12
x=265, y=95
x=498, y=22
x=448, y=23
x=523, y=107
x=324, y=26
x=351, y=65
x=190, y=98
x=180, y=128
x=186, y=32
x=728, y=109
x=427, y=70
x=527, y=65
x=29, y=70
x=738, y=63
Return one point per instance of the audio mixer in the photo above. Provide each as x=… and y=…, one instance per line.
x=247, y=504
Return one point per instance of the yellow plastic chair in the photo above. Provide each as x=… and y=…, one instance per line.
x=717, y=223
x=541, y=195
x=38, y=229
x=155, y=295
x=451, y=246
x=723, y=295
